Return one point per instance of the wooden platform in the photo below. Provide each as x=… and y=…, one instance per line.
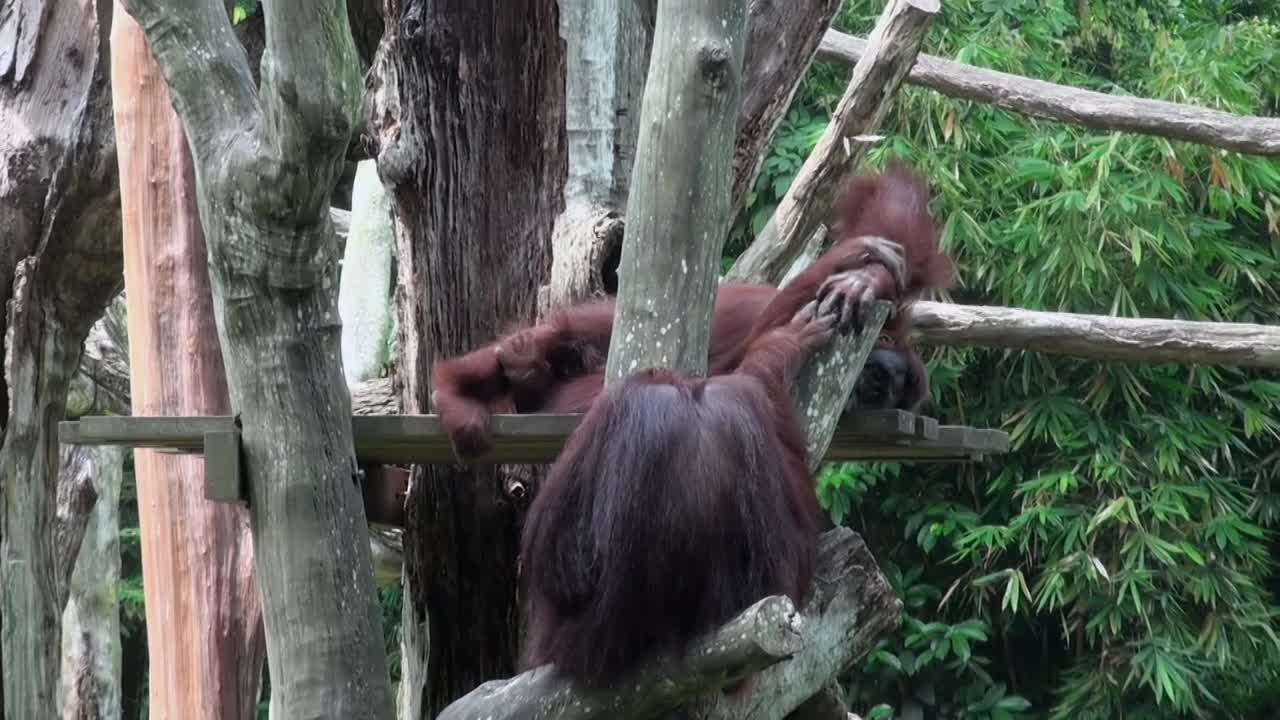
x=420, y=439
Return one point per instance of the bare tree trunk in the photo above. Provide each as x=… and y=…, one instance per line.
x=207, y=663
x=265, y=162
x=679, y=200
x=475, y=193
x=91, y=651
x=59, y=266
x=607, y=44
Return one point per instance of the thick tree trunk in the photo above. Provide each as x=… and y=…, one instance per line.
x=265, y=164
x=59, y=265
x=91, y=652
x=208, y=661
x=475, y=163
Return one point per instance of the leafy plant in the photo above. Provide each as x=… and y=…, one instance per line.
x=1117, y=562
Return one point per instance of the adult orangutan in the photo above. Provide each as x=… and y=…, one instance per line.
x=675, y=504
x=887, y=250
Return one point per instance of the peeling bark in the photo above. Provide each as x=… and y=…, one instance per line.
x=266, y=160
x=91, y=650
x=59, y=266
x=188, y=543
x=475, y=194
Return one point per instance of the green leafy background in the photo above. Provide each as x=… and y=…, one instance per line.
x=1118, y=563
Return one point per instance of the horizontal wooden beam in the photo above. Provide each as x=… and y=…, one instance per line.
x=420, y=439
x=1099, y=111
x=1098, y=337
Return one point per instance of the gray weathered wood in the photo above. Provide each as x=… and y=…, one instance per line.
x=606, y=55
x=102, y=385
x=59, y=267
x=678, y=207
x=1098, y=337
x=266, y=158
x=894, y=43
x=851, y=606
x=223, y=481
x=1100, y=111
x=91, y=650
x=761, y=635
x=604, y=103
x=419, y=439
x=824, y=385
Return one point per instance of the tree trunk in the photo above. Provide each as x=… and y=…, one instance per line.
x=608, y=54
x=208, y=661
x=59, y=265
x=470, y=119
x=265, y=162
x=679, y=201
x=607, y=45
x=91, y=652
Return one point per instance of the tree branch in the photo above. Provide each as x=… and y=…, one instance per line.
x=1100, y=111
x=851, y=605
x=204, y=66
x=1099, y=337
x=895, y=41
x=824, y=385
x=323, y=108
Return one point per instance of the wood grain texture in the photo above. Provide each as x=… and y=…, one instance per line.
x=59, y=267
x=175, y=368
x=763, y=634
x=1098, y=337
x=267, y=156
x=411, y=439
x=678, y=207
x=475, y=194
x=852, y=605
x=1099, y=111
x=783, y=37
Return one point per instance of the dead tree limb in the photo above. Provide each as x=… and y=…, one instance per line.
x=894, y=43
x=1099, y=337
x=1099, y=111
x=851, y=606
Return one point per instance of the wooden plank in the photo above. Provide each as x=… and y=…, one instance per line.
x=410, y=439
x=222, y=476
